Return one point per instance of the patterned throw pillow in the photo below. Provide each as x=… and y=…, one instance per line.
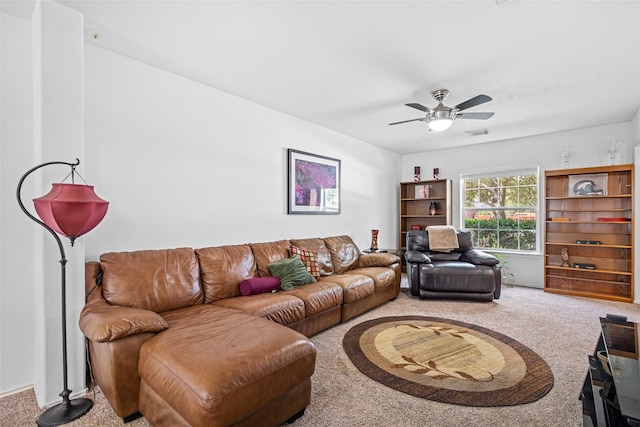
x=309, y=259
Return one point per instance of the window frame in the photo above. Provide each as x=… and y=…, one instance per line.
x=497, y=173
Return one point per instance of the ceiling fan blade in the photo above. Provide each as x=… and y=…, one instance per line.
x=480, y=99
x=480, y=116
x=407, y=121
x=418, y=107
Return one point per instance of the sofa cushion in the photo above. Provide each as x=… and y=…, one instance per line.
x=444, y=256
x=291, y=272
x=259, y=285
x=309, y=259
x=477, y=257
x=156, y=280
x=456, y=276
x=344, y=253
x=382, y=276
x=465, y=241
x=278, y=307
x=266, y=253
x=354, y=286
x=318, y=297
x=223, y=268
x=318, y=246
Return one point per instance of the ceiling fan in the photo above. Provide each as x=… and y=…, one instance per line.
x=442, y=117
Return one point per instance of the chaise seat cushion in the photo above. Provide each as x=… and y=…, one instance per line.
x=216, y=366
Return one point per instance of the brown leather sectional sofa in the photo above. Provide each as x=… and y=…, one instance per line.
x=172, y=337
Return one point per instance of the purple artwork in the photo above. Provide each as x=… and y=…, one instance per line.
x=314, y=184
x=311, y=179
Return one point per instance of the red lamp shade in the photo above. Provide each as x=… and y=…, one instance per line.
x=71, y=209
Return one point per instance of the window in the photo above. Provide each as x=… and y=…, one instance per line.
x=501, y=209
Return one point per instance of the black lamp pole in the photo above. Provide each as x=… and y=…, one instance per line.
x=68, y=410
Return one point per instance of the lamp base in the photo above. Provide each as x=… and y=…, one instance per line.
x=60, y=414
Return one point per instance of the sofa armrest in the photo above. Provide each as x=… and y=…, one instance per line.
x=377, y=259
x=103, y=322
x=477, y=257
x=417, y=257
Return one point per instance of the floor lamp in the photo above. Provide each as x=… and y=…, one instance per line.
x=70, y=210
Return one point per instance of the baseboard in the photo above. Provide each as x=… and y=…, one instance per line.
x=16, y=391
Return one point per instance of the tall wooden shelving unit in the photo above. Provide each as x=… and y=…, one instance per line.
x=415, y=206
x=596, y=230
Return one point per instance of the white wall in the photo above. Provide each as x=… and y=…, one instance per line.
x=187, y=165
x=43, y=80
x=588, y=147
x=17, y=290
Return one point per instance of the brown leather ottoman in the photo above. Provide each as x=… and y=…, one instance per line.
x=216, y=366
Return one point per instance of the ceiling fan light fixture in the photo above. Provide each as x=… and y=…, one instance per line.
x=438, y=125
x=441, y=118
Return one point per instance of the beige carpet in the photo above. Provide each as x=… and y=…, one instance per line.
x=563, y=330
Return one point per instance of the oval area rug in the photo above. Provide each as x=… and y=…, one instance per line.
x=448, y=361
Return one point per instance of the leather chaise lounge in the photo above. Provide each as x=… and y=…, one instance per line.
x=463, y=273
x=173, y=337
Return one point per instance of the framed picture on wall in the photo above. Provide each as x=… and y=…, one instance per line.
x=313, y=183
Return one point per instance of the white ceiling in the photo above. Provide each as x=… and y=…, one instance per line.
x=351, y=66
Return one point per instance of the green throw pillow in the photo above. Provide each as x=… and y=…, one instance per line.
x=291, y=272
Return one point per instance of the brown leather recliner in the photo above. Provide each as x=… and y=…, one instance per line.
x=465, y=273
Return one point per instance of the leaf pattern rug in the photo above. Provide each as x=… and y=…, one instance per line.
x=448, y=361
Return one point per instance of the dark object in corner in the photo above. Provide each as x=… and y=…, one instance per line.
x=584, y=266
x=588, y=242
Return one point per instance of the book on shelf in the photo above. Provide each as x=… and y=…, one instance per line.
x=620, y=219
x=559, y=219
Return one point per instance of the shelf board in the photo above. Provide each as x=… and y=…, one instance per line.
x=610, y=196
x=588, y=294
x=557, y=267
x=591, y=210
x=584, y=245
x=422, y=199
x=589, y=222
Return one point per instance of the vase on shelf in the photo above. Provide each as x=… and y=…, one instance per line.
x=416, y=173
x=374, y=240
x=433, y=208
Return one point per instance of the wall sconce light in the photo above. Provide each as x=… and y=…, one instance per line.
x=565, y=158
x=70, y=210
x=612, y=150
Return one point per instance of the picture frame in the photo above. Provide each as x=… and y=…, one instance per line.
x=313, y=183
x=590, y=184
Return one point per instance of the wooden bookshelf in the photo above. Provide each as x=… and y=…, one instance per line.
x=415, y=204
x=596, y=228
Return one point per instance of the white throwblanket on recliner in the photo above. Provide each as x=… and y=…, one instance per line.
x=442, y=238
